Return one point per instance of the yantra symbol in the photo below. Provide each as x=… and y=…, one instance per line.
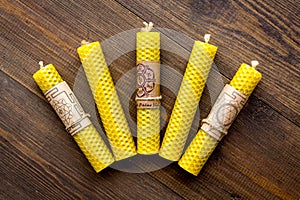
x=227, y=113
x=145, y=80
x=64, y=110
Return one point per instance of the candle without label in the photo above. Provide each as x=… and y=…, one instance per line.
x=107, y=100
x=188, y=98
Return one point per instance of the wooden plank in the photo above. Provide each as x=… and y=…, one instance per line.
x=258, y=158
x=262, y=164
x=261, y=136
x=40, y=160
x=52, y=31
x=243, y=31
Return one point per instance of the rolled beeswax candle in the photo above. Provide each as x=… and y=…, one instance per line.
x=148, y=93
x=188, y=97
x=107, y=100
x=229, y=103
x=74, y=118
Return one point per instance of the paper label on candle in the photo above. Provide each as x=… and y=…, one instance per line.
x=67, y=107
x=148, y=104
x=227, y=107
x=148, y=81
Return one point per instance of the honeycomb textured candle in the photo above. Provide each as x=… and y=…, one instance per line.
x=188, y=97
x=148, y=120
x=202, y=146
x=107, y=100
x=88, y=139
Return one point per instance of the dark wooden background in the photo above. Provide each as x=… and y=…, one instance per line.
x=258, y=159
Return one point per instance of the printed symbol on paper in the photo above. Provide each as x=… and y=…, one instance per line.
x=226, y=114
x=64, y=110
x=145, y=80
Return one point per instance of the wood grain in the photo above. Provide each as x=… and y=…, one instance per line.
x=260, y=157
x=40, y=161
x=243, y=31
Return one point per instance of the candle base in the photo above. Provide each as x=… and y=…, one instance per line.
x=198, y=153
x=148, y=131
x=187, y=100
x=94, y=148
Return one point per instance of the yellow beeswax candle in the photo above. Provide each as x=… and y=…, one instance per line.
x=107, y=100
x=72, y=115
x=229, y=103
x=148, y=93
x=188, y=97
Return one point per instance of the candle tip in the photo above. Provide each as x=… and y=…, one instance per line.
x=148, y=27
x=84, y=42
x=151, y=25
x=41, y=63
x=254, y=63
x=207, y=38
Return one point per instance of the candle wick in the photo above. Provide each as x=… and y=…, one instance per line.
x=41, y=63
x=148, y=27
x=207, y=38
x=254, y=63
x=84, y=42
x=145, y=28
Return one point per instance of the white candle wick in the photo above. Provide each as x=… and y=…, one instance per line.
x=41, y=63
x=207, y=38
x=147, y=27
x=150, y=26
x=254, y=63
x=84, y=42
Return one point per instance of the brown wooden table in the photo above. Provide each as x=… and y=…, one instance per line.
x=258, y=159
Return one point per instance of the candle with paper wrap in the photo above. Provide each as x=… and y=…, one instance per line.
x=188, y=97
x=230, y=101
x=107, y=100
x=148, y=93
x=74, y=118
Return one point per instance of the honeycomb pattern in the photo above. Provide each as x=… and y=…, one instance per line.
x=148, y=120
x=47, y=77
x=148, y=129
x=148, y=46
x=94, y=148
x=188, y=97
x=198, y=152
x=93, y=62
x=113, y=118
x=107, y=101
x=194, y=158
x=246, y=79
x=90, y=143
